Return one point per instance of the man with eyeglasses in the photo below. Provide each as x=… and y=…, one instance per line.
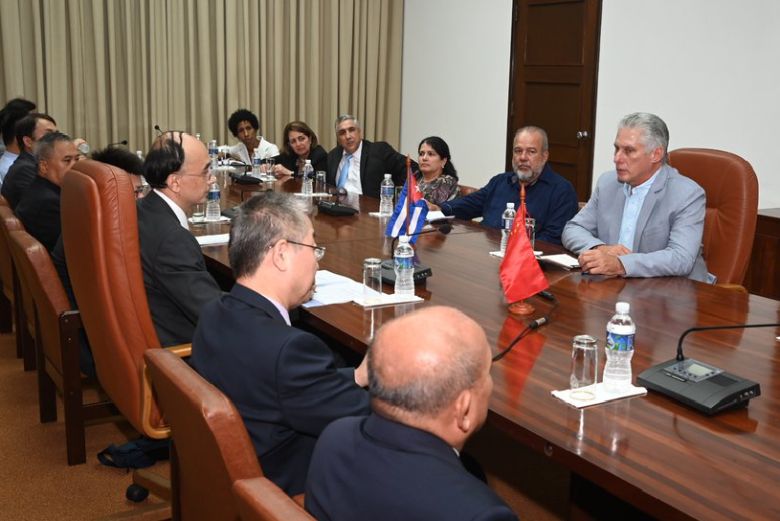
x=283, y=380
x=175, y=276
x=550, y=198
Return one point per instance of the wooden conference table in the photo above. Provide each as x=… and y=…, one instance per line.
x=664, y=458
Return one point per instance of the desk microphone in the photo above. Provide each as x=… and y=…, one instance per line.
x=123, y=142
x=702, y=386
x=421, y=272
x=533, y=326
x=158, y=129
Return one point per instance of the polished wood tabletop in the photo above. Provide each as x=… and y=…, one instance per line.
x=657, y=454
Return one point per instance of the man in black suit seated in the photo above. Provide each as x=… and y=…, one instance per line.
x=429, y=381
x=39, y=207
x=358, y=165
x=22, y=173
x=282, y=380
x=177, y=283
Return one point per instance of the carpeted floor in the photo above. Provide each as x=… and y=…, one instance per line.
x=35, y=479
x=37, y=483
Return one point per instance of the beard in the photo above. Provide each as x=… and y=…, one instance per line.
x=524, y=175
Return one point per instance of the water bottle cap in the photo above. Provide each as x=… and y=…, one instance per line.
x=403, y=238
x=510, y=206
x=387, y=176
x=308, y=161
x=623, y=308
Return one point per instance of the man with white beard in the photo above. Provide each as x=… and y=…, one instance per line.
x=550, y=199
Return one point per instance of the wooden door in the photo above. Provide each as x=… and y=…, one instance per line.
x=553, y=81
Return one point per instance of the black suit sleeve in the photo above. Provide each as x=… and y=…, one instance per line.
x=181, y=274
x=394, y=162
x=312, y=392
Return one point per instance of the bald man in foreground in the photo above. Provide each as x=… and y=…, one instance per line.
x=428, y=396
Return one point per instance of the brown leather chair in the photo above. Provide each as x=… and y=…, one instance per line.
x=6, y=285
x=211, y=447
x=259, y=499
x=14, y=294
x=100, y=233
x=732, y=205
x=57, y=345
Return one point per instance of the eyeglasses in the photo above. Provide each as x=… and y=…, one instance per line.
x=319, y=251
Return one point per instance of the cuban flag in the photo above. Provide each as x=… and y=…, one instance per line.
x=409, y=215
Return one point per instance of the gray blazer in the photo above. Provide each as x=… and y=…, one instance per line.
x=669, y=229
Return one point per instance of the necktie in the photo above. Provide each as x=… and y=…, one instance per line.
x=344, y=174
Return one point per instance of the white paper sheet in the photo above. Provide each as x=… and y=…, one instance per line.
x=210, y=240
x=595, y=394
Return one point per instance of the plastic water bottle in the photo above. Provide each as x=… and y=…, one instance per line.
x=619, y=349
x=213, y=153
x=403, y=261
x=257, y=162
x=507, y=220
x=213, y=211
x=307, y=183
x=386, y=193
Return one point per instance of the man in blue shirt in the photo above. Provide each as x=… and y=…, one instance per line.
x=550, y=199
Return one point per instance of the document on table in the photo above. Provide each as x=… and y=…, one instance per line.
x=210, y=240
x=562, y=259
x=332, y=288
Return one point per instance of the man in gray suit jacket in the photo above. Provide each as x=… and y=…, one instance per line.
x=644, y=219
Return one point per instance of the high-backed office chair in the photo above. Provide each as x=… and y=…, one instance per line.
x=259, y=499
x=57, y=345
x=211, y=447
x=21, y=302
x=100, y=233
x=464, y=190
x=732, y=205
x=6, y=287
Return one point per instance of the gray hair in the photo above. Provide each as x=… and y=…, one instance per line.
x=347, y=117
x=45, y=146
x=538, y=130
x=654, y=131
x=429, y=392
x=260, y=222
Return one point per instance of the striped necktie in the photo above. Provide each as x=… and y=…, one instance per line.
x=344, y=174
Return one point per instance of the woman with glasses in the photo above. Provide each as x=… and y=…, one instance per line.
x=299, y=144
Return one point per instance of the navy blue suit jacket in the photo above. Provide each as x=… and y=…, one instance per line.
x=282, y=380
x=374, y=468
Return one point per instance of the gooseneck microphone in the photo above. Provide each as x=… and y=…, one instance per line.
x=532, y=326
x=680, y=357
x=158, y=129
x=123, y=142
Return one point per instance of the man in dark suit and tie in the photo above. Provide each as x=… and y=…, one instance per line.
x=177, y=283
x=282, y=380
x=428, y=396
x=359, y=165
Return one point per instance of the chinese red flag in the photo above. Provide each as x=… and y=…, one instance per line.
x=520, y=274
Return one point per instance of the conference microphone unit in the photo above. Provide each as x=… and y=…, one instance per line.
x=421, y=271
x=702, y=386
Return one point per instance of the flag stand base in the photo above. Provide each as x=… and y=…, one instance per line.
x=521, y=307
